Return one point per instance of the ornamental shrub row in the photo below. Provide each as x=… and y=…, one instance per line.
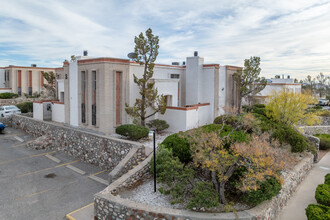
x=320, y=211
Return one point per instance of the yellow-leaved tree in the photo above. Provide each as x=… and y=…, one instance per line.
x=289, y=108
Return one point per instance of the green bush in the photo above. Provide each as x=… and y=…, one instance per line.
x=286, y=134
x=327, y=179
x=174, y=174
x=266, y=191
x=158, y=125
x=324, y=141
x=322, y=194
x=25, y=107
x=317, y=107
x=8, y=95
x=226, y=119
x=179, y=146
x=133, y=132
x=259, y=106
x=317, y=212
x=203, y=195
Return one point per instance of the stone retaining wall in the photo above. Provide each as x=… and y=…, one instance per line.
x=311, y=130
x=109, y=205
x=325, y=121
x=99, y=150
x=17, y=101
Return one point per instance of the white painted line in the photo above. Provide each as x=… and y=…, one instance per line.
x=18, y=138
x=325, y=168
x=53, y=158
x=98, y=179
x=75, y=169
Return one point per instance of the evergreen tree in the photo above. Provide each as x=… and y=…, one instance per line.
x=146, y=51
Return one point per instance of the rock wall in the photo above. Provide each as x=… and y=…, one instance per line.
x=311, y=130
x=325, y=121
x=99, y=150
x=17, y=101
x=109, y=205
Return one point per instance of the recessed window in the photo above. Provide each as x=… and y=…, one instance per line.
x=175, y=76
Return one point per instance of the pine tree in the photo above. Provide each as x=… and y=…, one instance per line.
x=146, y=51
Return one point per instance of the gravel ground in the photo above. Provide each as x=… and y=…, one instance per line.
x=145, y=194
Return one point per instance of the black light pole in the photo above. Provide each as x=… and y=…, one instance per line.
x=154, y=131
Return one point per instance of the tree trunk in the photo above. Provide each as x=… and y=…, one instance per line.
x=214, y=180
x=143, y=98
x=222, y=192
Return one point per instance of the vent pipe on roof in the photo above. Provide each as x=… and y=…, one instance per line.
x=195, y=53
x=33, y=65
x=288, y=76
x=184, y=63
x=85, y=53
x=175, y=63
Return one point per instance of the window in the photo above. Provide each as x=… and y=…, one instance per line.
x=94, y=97
x=83, y=97
x=175, y=76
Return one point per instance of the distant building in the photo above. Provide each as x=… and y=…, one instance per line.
x=24, y=79
x=277, y=84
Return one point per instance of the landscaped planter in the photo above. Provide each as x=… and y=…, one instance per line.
x=109, y=205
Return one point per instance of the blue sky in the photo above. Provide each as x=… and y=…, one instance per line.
x=291, y=37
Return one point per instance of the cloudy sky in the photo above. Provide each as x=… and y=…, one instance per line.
x=290, y=36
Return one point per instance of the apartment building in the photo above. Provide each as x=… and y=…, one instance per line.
x=97, y=89
x=277, y=84
x=24, y=79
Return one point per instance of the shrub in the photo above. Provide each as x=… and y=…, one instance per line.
x=286, y=134
x=317, y=212
x=179, y=146
x=317, y=107
x=158, y=124
x=322, y=194
x=133, y=132
x=25, y=107
x=259, y=109
x=327, y=179
x=324, y=141
x=174, y=174
x=226, y=119
x=266, y=191
x=323, y=113
x=259, y=106
x=8, y=95
x=203, y=195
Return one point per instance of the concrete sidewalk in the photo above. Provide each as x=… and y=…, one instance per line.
x=304, y=195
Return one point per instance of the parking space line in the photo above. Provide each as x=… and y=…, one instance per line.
x=68, y=216
x=49, y=168
x=10, y=135
x=66, y=163
x=94, y=174
x=31, y=156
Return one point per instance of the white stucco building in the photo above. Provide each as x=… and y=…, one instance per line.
x=96, y=90
x=277, y=84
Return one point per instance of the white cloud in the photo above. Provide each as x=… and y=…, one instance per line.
x=289, y=36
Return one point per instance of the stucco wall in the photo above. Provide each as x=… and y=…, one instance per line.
x=38, y=111
x=182, y=119
x=58, y=112
x=2, y=78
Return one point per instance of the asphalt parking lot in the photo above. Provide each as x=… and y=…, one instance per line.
x=33, y=186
